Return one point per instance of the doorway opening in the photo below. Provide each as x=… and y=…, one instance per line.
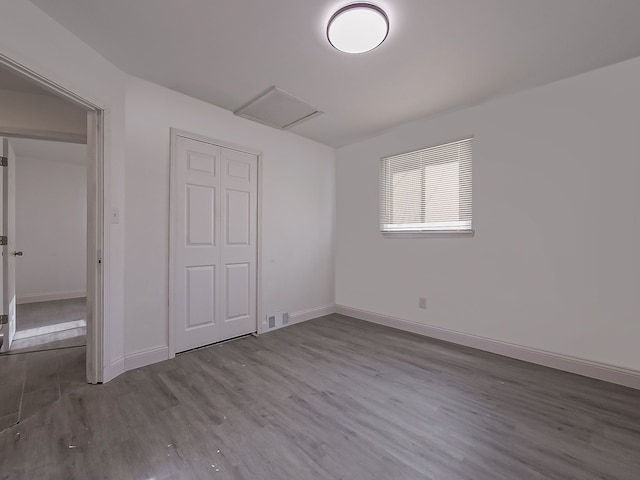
x=52, y=239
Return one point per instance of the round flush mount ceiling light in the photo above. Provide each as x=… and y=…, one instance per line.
x=358, y=28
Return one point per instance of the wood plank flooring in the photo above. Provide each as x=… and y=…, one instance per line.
x=334, y=398
x=32, y=317
x=41, y=314
x=32, y=381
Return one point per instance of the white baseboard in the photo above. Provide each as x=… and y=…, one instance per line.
x=301, y=316
x=146, y=357
x=46, y=297
x=113, y=370
x=311, y=313
x=567, y=363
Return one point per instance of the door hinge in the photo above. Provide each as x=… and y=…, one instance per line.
x=4, y=319
x=3, y=240
x=4, y=161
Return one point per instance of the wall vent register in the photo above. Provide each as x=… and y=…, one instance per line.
x=277, y=320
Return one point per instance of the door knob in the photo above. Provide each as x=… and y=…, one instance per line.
x=18, y=253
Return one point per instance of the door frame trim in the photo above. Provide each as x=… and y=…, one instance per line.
x=98, y=245
x=174, y=134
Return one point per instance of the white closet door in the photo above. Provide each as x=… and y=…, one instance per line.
x=214, y=243
x=197, y=244
x=239, y=236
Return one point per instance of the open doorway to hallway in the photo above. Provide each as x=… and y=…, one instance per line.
x=51, y=236
x=48, y=203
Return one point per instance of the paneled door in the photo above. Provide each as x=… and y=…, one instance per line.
x=214, y=250
x=239, y=222
x=8, y=226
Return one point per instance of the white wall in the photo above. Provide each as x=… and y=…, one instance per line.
x=554, y=264
x=51, y=229
x=32, y=39
x=298, y=193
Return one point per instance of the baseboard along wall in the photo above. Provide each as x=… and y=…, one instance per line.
x=567, y=363
x=146, y=357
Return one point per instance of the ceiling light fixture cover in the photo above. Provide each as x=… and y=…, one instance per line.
x=358, y=28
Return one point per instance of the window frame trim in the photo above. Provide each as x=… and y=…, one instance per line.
x=429, y=234
x=426, y=233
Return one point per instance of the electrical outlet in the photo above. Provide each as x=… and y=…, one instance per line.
x=422, y=303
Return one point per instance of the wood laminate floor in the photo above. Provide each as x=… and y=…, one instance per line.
x=334, y=398
x=50, y=325
x=30, y=382
x=42, y=314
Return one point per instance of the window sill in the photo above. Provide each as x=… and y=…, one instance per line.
x=431, y=233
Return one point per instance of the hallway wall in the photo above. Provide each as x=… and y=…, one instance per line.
x=51, y=229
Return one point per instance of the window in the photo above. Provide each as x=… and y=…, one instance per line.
x=427, y=190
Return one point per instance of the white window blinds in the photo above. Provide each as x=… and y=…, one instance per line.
x=427, y=190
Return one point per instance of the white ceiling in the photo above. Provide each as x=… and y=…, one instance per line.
x=440, y=54
x=75, y=153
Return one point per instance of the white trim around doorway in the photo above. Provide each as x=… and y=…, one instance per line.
x=98, y=245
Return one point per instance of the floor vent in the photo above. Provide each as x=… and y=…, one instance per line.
x=278, y=109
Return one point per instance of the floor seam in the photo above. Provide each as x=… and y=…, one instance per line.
x=24, y=383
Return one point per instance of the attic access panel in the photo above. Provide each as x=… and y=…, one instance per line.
x=278, y=109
